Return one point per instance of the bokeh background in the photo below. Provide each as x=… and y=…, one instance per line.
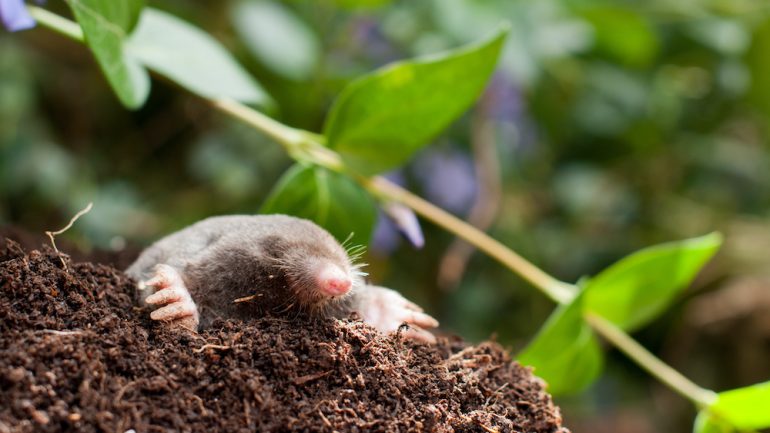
x=608, y=126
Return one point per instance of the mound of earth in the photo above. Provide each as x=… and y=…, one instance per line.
x=76, y=354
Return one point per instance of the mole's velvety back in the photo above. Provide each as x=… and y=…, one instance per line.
x=241, y=266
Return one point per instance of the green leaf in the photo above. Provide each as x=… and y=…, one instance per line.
x=355, y=4
x=705, y=423
x=633, y=291
x=106, y=25
x=331, y=200
x=277, y=37
x=745, y=408
x=381, y=119
x=191, y=58
x=565, y=353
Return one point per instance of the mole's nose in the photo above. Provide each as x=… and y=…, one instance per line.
x=333, y=281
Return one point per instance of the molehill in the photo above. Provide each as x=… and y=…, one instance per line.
x=77, y=355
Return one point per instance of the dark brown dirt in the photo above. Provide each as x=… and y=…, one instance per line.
x=77, y=355
x=30, y=240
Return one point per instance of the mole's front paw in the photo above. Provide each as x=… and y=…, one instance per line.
x=387, y=310
x=171, y=292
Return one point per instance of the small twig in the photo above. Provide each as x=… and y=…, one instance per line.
x=247, y=298
x=51, y=234
x=246, y=410
x=460, y=354
x=365, y=347
x=211, y=346
x=478, y=422
x=326, y=421
x=310, y=377
x=121, y=392
x=201, y=406
x=61, y=333
x=495, y=394
x=487, y=428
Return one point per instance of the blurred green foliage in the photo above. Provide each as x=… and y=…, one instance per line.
x=615, y=125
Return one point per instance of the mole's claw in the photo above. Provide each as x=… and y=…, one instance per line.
x=164, y=276
x=183, y=313
x=387, y=310
x=173, y=311
x=422, y=320
x=156, y=281
x=419, y=335
x=166, y=296
x=412, y=306
x=179, y=305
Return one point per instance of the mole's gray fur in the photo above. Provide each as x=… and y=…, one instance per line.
x=266, y=257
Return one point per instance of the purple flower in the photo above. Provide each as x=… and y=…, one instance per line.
x=396, y=218
x=14, y=15
x=503, y=99
x=448, y=179
x=406, y=221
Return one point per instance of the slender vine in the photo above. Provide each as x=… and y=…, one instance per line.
x=701, y=397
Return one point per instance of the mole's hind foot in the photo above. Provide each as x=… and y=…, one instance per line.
x=387, y=310
x=171, y=294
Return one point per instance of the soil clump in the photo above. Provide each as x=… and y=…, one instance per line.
x=77, y=354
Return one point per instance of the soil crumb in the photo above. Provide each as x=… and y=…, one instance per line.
x=76, y=354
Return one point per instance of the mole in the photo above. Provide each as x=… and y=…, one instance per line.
x=246, y=266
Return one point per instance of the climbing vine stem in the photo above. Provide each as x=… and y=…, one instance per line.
x=702, y=398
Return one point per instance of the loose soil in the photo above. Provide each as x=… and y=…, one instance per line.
x=76, y=354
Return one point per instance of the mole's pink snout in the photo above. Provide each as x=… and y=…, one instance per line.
x=332, y=280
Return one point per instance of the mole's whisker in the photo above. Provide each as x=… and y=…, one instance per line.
x=344, y=243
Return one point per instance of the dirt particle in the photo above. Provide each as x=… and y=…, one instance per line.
x=16, y=375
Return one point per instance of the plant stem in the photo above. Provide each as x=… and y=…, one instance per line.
x=701, y=397
x=557, y=290
x=299, y=143
x=56, y=23
x=288, y=137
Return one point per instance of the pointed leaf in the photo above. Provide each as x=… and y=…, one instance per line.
x=331, y=200
x=565, y=353
x=357, y=4
x=380, y=120
x=106, y=25
x=745, y=408
x=705, y=423
x=635, y=290
x=191, y=58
